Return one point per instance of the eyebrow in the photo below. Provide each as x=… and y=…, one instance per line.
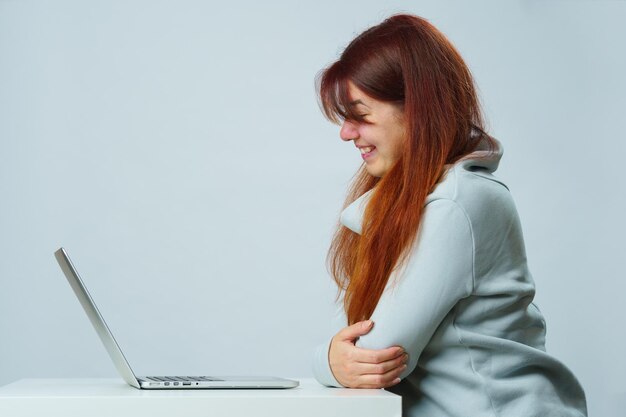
x=355, y=102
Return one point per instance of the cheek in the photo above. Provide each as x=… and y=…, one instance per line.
x=375, y=135
x=399, y=139
x=399, y=146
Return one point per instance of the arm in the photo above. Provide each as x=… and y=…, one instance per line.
x=338, y=363
x=370, y=366
x=439, y=272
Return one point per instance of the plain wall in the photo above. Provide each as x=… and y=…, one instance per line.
x=177, y=151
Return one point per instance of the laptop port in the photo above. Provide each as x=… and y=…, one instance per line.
x=167, y=384
x=175, y=383
x=186, y=383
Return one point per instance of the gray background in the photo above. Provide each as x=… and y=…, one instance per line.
x=176, y=149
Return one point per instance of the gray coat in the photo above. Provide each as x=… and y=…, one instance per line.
x=462, y=309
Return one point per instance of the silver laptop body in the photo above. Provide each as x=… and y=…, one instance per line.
x=153, y=382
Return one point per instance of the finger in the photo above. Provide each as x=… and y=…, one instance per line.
x=387, y=385
x=383, y=367
x=355, y=330
x=377, y=355
x=385, y=380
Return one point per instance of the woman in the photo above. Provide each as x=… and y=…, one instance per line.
x=431, y=262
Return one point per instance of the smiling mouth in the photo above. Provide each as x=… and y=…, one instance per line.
x=367, y=149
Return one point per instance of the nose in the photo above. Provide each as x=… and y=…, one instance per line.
x=348, y=131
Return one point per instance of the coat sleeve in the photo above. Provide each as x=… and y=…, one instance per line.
x=438, y=273
x=321, y=368
x=320, y=365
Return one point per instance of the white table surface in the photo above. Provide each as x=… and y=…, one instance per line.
x=113, y=397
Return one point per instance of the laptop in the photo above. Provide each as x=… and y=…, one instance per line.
x=154, y=382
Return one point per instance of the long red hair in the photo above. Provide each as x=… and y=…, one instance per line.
x=404, y=60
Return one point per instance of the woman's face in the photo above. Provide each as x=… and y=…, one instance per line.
x=379, y=138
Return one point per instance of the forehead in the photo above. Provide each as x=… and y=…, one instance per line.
x=357, y=96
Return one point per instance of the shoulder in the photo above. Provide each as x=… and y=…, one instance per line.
x=484, y=198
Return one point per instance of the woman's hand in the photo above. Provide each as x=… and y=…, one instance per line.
x=355, y=367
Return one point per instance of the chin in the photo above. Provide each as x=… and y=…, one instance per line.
x=374, y=173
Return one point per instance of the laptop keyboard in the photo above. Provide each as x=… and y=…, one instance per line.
x=181, y=378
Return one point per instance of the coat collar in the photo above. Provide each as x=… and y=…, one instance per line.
x=479, y=160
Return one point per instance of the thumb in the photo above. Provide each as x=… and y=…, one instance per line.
x=356, y=330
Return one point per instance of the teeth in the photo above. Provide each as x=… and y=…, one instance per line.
x=367, y=150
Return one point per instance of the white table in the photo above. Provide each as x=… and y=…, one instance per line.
x=114, y=398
